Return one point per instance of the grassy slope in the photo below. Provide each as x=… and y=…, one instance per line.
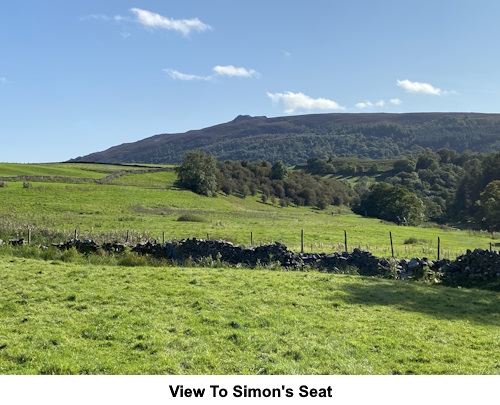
x=69, y=171
x=74, y=318
x=145, y=206
x=92, y=171
x=81, y=318
x=147, y=180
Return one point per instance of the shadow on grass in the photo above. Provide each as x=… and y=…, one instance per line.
x=477, y=306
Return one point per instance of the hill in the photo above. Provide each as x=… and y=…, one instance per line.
x=294, y=139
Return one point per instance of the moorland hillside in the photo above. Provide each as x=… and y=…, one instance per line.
x=294, y=139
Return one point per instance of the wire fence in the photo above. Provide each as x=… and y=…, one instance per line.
x=36, y=236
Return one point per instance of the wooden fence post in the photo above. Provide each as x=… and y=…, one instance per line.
x=439, y=247
x=392, y=247
x=126, y=240
x=251, y=239
x=345, y=239
x=301, y=241
x=163, y=237
x=75, y=234
x=29, y=237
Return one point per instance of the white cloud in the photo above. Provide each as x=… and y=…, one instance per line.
x=232, y=71
x=299, y=101
x=176, y=75
x=364, y=104
x=395, y=101
x=100, y=17
x=418, y=87
x=368, y=104
x=154, y=20
x=121, y=18
x=103, y=17
x=229, y=71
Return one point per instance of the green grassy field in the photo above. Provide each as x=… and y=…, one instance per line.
x=76, y=172
x=68, y=170
x=61, y=318
x=164, y=179
x=147, y=204
x=70, y=314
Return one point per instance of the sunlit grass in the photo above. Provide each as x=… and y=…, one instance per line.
x=145, y=203
x=162, y=179
x=63, y=318
x=66, y=314
x=49, y=169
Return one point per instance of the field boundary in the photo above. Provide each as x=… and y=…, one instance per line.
x=473, y=269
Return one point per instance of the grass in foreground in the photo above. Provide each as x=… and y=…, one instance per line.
x=63, y=318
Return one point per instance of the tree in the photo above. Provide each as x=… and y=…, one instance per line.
x=322, y=203
x=198, y=173
x=405, y=165
x=390, y=202
x=372, y=203
x=490, y=205
x=279, y=171
x=405, y=204
x=469, y=188
x=309, y=196
x=427, y=160
x=491, y=169
x=447, y=155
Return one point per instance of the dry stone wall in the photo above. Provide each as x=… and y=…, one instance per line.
x=474, y=268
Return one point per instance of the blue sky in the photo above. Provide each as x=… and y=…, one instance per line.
x=79, y=77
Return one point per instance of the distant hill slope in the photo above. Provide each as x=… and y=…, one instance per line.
x=294, y=139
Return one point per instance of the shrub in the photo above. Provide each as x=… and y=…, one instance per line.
x=50, y=254
x=190, y=218
x=130, y=259
x=71, y=255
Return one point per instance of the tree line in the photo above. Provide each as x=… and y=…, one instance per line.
x=276, y=183
x=452, y=186
x=443, y=186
